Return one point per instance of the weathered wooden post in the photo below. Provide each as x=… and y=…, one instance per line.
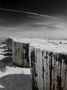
x=9, y=44
x=36, y=65
x=20, y=53
x=47, y=60
x=49, y=69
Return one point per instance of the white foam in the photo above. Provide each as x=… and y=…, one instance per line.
x=2, y=45
x=2, y=57
x=15, y=70
x=1, y=86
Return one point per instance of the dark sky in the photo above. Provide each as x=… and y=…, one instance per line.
x=39, y=6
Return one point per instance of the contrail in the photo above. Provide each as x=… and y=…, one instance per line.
x=30, y=13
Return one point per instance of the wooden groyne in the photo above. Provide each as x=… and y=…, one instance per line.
x=49, y=69
x=47, y=60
